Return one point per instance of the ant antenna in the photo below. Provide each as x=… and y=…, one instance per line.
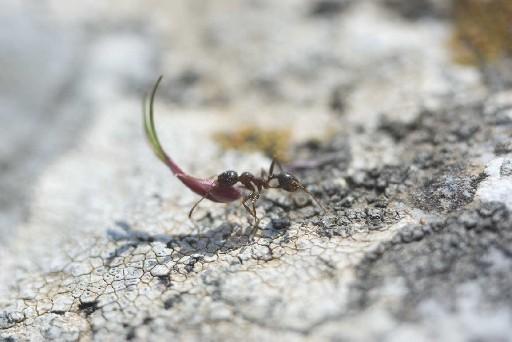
x=303, y=188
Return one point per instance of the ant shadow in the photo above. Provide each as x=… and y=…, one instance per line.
x=224, y=238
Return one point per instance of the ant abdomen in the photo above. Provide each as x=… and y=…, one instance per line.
x=288, y=182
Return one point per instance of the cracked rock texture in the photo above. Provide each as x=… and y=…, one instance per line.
x=410, y=152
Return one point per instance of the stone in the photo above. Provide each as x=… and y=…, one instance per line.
x=408, y=151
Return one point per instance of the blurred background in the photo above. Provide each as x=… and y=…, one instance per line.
x=287, y=67
x=243, y=80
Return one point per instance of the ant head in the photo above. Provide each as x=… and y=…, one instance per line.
x=227, y=178
x=288, y=182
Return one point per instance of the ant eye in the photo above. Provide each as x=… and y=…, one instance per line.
x=228, y=178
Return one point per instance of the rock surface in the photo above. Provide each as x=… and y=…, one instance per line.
x=411, y=154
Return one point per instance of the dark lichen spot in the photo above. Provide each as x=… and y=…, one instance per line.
x=432, y=260
x=337, y=99
x=378, y=179
x=506, y=168
x=447, y=189
x=9, y=319
x=171, y=302
x=88, y=307
x=417, y=9
x=280, y=223
x=124, y=225
x=328, y=8
x=396, y=129
x=411, y=233
x=192, y=261
x=131, y=334
x=188, y=78
x=58, y=312
x=503, y=147
x=165, y=280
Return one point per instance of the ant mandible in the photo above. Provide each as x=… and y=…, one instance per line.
x=224, y=188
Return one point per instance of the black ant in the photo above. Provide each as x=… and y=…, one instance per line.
x=223, y=189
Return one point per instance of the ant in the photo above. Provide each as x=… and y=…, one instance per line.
x=223, y=188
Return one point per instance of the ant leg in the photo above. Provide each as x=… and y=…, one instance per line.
x=263, y=174
x=255, y=198
x=194, y=207
x=266, y=178
x=271, y=168
x=196, y=204
x=244, y=201
x=275, y=162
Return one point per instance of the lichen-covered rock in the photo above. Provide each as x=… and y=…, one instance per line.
x=409, y=151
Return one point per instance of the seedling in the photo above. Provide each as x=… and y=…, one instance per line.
x=227, y=186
